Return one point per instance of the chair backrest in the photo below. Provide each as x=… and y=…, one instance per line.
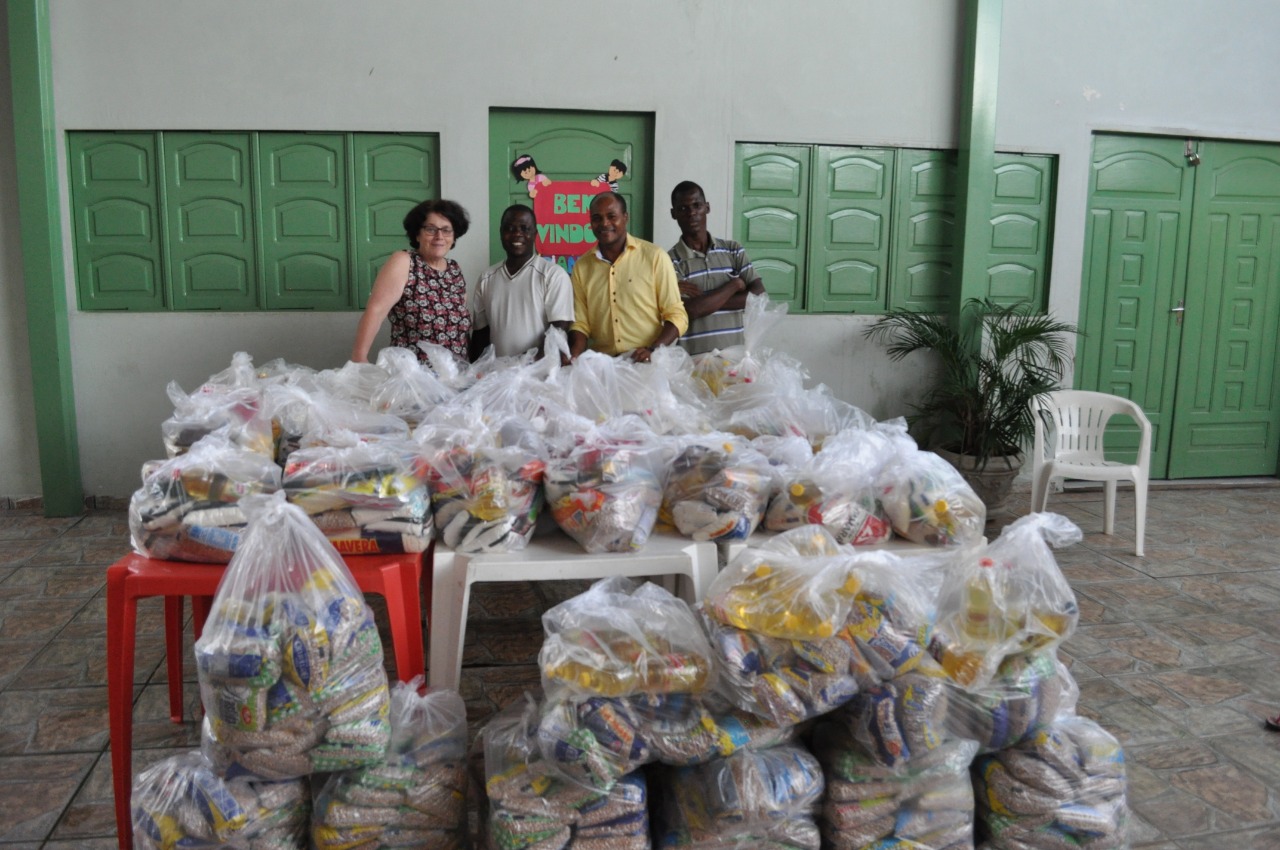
x=1079, y=419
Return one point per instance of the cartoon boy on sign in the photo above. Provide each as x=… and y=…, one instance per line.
x=615, y=172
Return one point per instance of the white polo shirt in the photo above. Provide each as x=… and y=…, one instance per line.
x=518, y=308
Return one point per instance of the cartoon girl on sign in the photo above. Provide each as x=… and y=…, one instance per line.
x=524, y=168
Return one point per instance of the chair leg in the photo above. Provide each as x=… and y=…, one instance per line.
x=1140, y=511
x=173, y=654
x=399, y=587
x=122, y=621
x=1040, y=479
x=443, y=640
x=1109, y=521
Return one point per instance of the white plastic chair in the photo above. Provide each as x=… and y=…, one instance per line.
x=1074, y=449
x=555, y=556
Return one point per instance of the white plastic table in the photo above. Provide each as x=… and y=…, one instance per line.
x=554, y=556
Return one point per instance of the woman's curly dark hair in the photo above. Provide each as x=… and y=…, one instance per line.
x=451, y=210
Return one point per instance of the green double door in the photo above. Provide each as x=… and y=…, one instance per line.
x=1181, y=298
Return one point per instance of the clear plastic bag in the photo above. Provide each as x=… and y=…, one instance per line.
x=290, y=663
x=187, y=508
x=1064, y=787
x=533, y=805
x=903, y=718
x=619, y=639
x=740, y=364
x=485, y=479
x=604, y=489
x=717, y=488
x=753, y=799
x=1027, y=693
x=929, y=502
x=410, y=391
x=354, y=382
x=1007, y=598
x=924, y=804
x=183, y=802
x=230, y=400
x=367, y=497
x=416, y=797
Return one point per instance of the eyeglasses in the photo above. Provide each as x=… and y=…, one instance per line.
x=695, y=207
x=432, y=230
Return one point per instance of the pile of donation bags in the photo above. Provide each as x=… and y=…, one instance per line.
x=383, y=457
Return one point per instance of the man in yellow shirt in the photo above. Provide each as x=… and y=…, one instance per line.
x=625, y=296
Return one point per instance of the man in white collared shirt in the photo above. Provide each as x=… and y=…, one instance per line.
x=516, y=300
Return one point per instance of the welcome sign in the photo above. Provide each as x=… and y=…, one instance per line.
x=563, y=209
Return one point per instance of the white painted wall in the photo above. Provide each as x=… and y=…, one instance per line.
x=714, y=72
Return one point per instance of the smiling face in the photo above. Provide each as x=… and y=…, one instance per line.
x=528, y=172
x=609, y=224
x=435, y=239
x=517, y=233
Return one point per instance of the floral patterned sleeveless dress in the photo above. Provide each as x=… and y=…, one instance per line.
x=433, y=308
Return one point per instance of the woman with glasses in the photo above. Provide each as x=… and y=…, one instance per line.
x=421, y=289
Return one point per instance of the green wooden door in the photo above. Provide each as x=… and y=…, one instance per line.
x=1161, y=234
x=1228, y=414
x=1021, y=228
x=392, y=175
x=572, y=146
x=770, y=216
x=304, y=199
x=210, y=221
x=925, y=229
x=851, y=204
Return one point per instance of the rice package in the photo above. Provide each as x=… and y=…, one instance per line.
x=922, y=804
x=368, y=497
x=485, y=479
x=416, y=796
x=929, y=502
x=903, y=718
x=753, y=799
x=188, y=506
x=1007, y=598
x=717, y=488
x=531, y=804
x=182, y=802
x=604, y=486
x=1061, y=789
x=290, y=663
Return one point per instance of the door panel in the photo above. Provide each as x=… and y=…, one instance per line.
x=1228, y=419
x=393, y=174
x=1021, y=224
x=852, y=203
x=926, y=228
x=572, y=146
x=209, y=209
x=1135, y=271
x=770, y=216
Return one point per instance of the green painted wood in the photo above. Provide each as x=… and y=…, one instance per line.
x=30, y=70
x=771, y=215
x=1020, y=247
x=1227, y=419
x=850, y=213
x=578, y=146
x=978, y=98
x=392, y=174
x=924, y=224
x=116, y=221
x=211, y=226
x=303, y=197
x=1135, y=271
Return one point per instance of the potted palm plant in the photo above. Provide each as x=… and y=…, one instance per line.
x=998, y=358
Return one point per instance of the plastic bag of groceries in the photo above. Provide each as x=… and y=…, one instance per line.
x=353, y=382
x=686, y=405
x=236, y=407
x=928, y=501
x=1064, y=787
x=837, y=489
x=740, y=364
x=298, y=411
x=604, y=486
x=183, y=802
x=619, y=638
x=532, y=805
x=187, y=508
x=717, y=487
x=290, y=664
x=925, y=803
x=416, y=796
x=1006, y=598
x=599, y=387
x=367, y=497
x=753, y=799
x=1028, y=692
x=410, y=390
x=485, y=478
x=758, y=409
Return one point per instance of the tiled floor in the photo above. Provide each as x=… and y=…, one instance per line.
x=1178, y=654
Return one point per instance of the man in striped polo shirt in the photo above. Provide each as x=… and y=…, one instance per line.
x=715, y=275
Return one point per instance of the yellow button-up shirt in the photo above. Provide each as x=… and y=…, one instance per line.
x=622, y=305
